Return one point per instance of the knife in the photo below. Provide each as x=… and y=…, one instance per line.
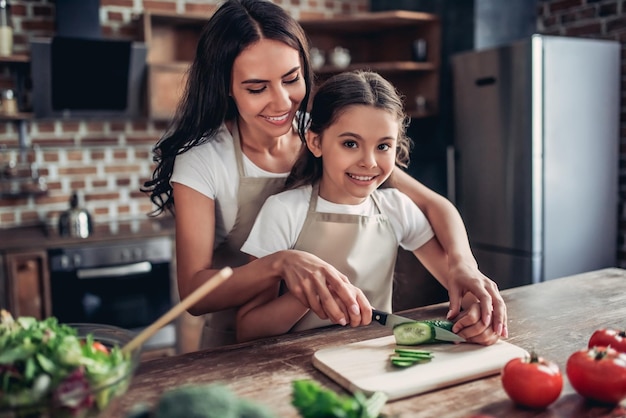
x=391, y=320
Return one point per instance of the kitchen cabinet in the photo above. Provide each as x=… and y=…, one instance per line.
x=386, y=42
x=171, y=39
x=19, y=71
x=402, y=46
x=28, y=283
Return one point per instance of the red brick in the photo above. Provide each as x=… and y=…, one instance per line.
x=584, y=30
x=91, y=197
x=113, y=16
x=45, y=126
x=78, y=184
x=200, y=9
x=75, y=155
x=159, y=6
x=135, y=140
x=616, y=25
x=53, y=142
x=120, y=3
x=120, y=154
x=112, y=169
x=94, y=126
x=99, y=141
x=70, y=126
x=563, y=5
x=75, y=171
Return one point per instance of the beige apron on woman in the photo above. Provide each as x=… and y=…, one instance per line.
x=219, y=327
x=364, y=248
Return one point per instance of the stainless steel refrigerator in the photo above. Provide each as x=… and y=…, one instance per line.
x=534, y=168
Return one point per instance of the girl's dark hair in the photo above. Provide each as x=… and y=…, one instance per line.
x=206, y=104
x=331, y=99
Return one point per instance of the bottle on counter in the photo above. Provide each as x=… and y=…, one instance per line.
x=76, y=221
x=9, y=102
x=6, y=31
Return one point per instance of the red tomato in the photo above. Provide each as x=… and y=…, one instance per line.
x=98, y=346
x=598, y=373
x=609, y=337
x=532, y=382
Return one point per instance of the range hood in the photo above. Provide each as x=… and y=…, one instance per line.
x=78, y=19
x=80, y=74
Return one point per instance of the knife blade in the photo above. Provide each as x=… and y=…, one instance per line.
x=391, y=320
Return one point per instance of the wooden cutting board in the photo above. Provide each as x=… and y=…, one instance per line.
x=364, y=366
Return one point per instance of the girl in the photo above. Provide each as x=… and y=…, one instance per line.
x=334, y=208
x=233, y=142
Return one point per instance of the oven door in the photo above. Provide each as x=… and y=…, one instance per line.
x=130, y=296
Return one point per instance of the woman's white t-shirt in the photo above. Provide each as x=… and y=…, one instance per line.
x=282, y=217
x=211, y=169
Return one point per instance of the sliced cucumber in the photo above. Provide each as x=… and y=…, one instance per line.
x=408, y=357
x=419, y=332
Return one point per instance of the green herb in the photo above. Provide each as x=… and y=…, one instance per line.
x=314, y=401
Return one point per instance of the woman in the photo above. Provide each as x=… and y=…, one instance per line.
x=233, y=143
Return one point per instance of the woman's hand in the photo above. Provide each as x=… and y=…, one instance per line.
x=464, y=279
x=322, y=288
x=469, y=325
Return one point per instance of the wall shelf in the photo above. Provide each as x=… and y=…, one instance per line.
x=384, y=42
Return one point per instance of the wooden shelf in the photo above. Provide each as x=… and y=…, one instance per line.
x=171, y=39
x=369, y=22
x=15, y=58
x=378, y=41
x=384, y=42
x=381, y=67
x=16, y=117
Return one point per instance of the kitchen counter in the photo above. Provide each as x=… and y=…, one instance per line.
x=44, y=237
x=554, y=318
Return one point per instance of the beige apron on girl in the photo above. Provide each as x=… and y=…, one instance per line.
x=364, y=248
x=219, y=327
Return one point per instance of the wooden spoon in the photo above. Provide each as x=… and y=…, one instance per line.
x=178, y=309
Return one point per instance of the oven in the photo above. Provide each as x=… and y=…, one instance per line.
x=127, y=284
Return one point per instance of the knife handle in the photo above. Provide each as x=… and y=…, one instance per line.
x=379, y=316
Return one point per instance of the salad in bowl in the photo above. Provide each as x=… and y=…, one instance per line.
x=49, y=369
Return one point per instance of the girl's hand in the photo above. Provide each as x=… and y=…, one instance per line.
x=316, y=284
x=465, y=278
x=470, y=326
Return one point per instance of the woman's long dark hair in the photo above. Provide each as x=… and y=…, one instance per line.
x=331, y=99
x=206, y=104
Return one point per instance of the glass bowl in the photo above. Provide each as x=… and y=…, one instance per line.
x=76, y=396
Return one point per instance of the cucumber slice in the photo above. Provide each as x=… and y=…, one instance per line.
x=405, y=357
x=414, y=333
x=407, y=352
x=419, y=332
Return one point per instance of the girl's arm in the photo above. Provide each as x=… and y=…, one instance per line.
x=307, y=276
x=268, y=314
x=462, y=270
x=469, y=325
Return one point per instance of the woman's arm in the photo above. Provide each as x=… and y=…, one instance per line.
x=268, y=314
x=308, y=277
x=463, y=273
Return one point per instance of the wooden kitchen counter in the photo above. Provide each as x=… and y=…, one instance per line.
x=554, y=318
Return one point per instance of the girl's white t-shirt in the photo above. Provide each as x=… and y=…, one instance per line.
x=211, y=169
x=282, y=217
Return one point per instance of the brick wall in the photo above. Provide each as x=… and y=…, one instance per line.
x=603, y=19
x=106, y=161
